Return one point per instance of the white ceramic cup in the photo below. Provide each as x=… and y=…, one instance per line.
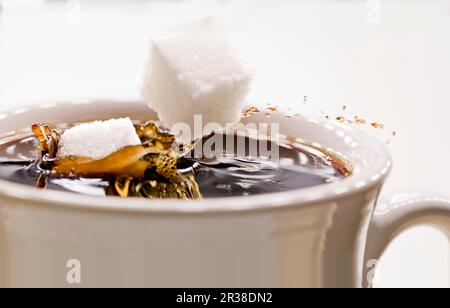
x=325, y=236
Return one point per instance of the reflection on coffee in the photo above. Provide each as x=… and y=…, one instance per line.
x=152, y=170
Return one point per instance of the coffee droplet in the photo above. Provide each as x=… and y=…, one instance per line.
x=340, y=119
x=360, y=121
x=249, y=112
x=378, y=125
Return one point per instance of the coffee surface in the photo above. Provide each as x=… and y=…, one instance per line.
x=299, y=166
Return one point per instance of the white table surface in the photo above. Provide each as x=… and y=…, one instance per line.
x=390, y=64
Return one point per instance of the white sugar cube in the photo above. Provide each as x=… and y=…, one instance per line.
x=196, y=71
x=98, y=139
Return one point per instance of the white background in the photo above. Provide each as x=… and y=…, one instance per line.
x=388, y=61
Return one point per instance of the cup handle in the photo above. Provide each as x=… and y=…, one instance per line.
x=395, y=214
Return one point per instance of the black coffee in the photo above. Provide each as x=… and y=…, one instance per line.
x=300, y=166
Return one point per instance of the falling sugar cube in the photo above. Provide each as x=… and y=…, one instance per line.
x=196, y=71
x=98, y=139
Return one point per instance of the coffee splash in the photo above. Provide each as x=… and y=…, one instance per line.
x=149, y=170
x=355, y=120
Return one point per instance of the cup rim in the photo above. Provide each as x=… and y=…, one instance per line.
x=368, y=179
